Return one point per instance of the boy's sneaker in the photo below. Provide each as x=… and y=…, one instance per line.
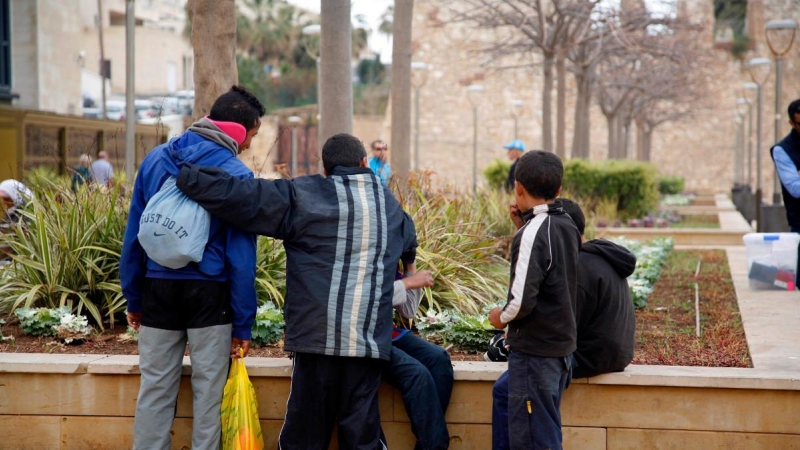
x=497, y=351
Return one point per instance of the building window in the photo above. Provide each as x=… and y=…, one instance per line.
x=5, y=49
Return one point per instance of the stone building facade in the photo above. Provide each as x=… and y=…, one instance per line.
x=55, y=48
x=700, y=148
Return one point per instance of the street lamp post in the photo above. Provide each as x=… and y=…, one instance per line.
x=738, y=151
x=516, y=106
x=294, y=121
x=473, y=92
x=746, y=87
x=759, y=69
x=420, y=70
x=780, y=37
x=743, y=110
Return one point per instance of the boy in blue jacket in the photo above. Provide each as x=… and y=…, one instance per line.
x=211, y=303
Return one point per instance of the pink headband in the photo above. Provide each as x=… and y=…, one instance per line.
x=235, y=130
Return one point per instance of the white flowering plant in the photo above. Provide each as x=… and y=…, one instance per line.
x=650, y=258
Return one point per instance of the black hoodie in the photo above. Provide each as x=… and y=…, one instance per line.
x=605, y=317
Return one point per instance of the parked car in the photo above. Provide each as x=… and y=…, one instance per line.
x=93, y=113
x=115, y=110
x=144, y=109
x=185, y=101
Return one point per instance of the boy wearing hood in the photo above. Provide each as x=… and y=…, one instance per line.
x=211, y=303
x=605, y=318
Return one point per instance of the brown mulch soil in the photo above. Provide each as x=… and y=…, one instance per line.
x=116, y=342
x=665, y=328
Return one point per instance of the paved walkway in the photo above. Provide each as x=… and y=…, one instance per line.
x=771, y=319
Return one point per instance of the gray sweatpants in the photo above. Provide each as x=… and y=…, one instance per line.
x=160, y=359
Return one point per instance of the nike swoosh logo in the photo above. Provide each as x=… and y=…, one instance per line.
x=156, y=234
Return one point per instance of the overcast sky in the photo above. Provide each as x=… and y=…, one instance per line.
x=372, y=10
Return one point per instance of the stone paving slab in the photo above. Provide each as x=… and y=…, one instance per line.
x=771, y=319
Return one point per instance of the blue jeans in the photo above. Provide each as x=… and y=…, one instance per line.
x=527, y=400
x=422, y=372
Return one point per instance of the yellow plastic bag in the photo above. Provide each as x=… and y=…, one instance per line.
x=240, y=427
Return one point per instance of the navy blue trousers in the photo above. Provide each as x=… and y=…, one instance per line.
x=526, y=402
x=423, y=374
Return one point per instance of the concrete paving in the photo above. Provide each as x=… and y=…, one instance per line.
x=771, y=319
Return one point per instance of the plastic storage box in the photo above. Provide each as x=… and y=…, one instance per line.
x=771, y=260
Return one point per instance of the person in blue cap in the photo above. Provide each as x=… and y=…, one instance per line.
x=515, y=149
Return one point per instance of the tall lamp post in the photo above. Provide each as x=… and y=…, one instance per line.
x=516, y=108
x=738, y=160
x=759, y=69
x=294, y=121
x=420, y=77
x=473, y=93
x=780, y=37
x=746, y=88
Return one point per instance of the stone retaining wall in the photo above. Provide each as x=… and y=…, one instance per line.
x=87, y=402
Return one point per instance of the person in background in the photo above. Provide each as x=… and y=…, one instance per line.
x=786, y=156
x=378, y=162
x=14, y=195
x=102, y=170
x=81, y=172
x=515, y=149
x=211, y=304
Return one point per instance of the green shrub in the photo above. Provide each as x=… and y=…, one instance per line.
x=632, y=185
x=496, y=173
x=670, y=185
x=270, y=271
x=467, y=332
x=268, y=327
x=40, y=321
x=66, y=253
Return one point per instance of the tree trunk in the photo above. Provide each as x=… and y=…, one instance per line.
x=214, y=46
x=640, y=140
x=401, y=87
x=336, y=114
x=611, y=122
x=547, y=103
x=647, y=141
x=561, y=106
x=580, y=137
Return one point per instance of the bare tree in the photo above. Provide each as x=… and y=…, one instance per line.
x=214, y=42
x=532, y=26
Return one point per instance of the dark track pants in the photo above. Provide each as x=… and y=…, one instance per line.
x=330, y=389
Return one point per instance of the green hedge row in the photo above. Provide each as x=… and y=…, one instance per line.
x=632, y=185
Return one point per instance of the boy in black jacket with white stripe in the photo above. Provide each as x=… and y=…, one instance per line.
x=540, y=312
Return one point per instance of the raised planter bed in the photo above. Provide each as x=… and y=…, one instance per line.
x=66, y=402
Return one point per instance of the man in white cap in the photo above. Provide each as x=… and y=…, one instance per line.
x=14, y=195
x=515, y=149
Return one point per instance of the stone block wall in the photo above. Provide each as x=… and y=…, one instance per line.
x=88, y=402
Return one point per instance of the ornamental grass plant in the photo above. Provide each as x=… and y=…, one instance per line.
x=457, y=242
x=65, y=252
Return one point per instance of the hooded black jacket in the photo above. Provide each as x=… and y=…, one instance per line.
x=542, y=293
x=606, y=321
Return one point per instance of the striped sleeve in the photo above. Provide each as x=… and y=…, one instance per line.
x=533, y=261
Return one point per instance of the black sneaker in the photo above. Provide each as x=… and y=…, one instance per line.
x=497, y=352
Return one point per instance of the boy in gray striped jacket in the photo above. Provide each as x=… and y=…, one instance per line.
x=343, y=234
